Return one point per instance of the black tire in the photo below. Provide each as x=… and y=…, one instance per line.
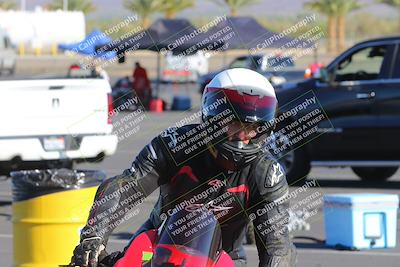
x=374, y=173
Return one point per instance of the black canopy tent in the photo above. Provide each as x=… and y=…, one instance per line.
x=180, y=37
x=176, y=35
x=247, y=33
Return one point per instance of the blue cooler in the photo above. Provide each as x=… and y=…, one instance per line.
x=181, y=103
x=361, y=221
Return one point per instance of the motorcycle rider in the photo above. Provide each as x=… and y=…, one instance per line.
x=225, y=152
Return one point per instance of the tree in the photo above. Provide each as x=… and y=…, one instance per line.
x=85, y=6
x=343, y=8
x=235, y=5
x=144, y=8
x=336, y=11
x=392, y=3
x=327, y=8
x=172, y=7
x=6, y=5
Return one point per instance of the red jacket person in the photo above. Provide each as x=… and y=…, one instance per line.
x=141, y=84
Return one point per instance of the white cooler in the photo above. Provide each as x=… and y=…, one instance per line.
x=361, y=221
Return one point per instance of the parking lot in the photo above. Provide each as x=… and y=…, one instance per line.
x=311, y=249
x=312, y=84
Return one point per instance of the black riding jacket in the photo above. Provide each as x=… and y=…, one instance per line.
x=189, y=175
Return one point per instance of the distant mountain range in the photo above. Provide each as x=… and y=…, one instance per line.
x=203, y=8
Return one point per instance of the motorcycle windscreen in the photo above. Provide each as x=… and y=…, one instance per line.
x=189, y=239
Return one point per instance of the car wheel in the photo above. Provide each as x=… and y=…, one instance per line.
x=295, y=162
x=374, y=173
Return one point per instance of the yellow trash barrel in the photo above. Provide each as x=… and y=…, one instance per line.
x=50, y=207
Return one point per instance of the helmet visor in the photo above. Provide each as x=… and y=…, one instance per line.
x=241, y=106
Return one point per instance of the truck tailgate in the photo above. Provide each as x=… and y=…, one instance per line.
x=54, y=107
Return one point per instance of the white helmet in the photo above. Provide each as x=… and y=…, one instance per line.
x=251, y=98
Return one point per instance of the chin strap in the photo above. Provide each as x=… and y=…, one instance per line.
x=227, y=164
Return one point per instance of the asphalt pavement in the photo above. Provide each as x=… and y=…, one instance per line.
x=311, y=249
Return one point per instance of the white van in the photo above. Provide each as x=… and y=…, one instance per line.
x=184, y=68
x=8, y=54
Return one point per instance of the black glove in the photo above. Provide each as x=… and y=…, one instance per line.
x=87, y=253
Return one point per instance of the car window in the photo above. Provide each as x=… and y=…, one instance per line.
x=364, y=64
x=241, y=62
x=280, y=61
x=254, y=63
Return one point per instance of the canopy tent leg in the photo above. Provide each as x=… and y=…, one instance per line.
x=158, y=75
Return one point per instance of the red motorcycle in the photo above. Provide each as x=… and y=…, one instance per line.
x=191, y=237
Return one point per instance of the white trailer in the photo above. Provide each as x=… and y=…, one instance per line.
x=43, y=28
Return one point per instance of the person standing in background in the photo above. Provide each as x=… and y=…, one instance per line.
x=141, y=85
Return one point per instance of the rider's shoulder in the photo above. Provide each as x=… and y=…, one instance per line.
x=179, y=130
x=265, y=160
x=176, y=134
x=176, y=139
x=268, y=171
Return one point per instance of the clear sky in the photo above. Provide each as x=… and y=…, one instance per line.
x=114, y=8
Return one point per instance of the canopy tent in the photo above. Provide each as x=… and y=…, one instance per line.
x=247, y=33
x=176, y=35
x=180, y=37
x=89, y=45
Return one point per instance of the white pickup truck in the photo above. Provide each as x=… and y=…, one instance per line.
x=54, y=122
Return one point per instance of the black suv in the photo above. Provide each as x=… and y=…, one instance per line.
x=359, y=95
